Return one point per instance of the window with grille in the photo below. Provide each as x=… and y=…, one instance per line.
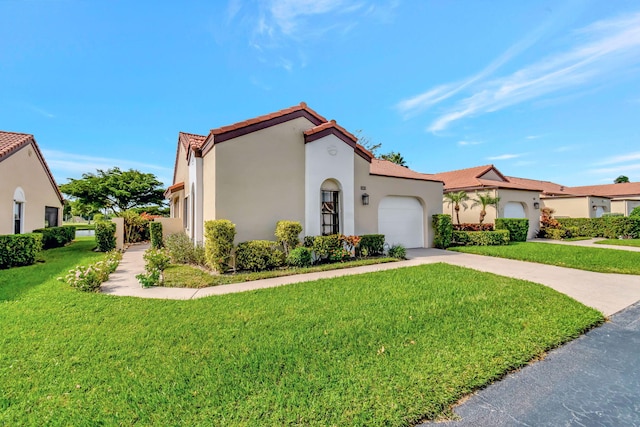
x=50, y=216
x=330, y=212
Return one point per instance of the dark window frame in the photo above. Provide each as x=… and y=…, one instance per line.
x=329, y=212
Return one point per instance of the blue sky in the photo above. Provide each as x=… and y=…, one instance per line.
x=545, y=90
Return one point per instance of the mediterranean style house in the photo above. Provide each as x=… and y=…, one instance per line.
x=29, y=196
x=516, y=200
x=294, y=164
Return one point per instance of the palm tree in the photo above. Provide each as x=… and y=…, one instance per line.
x=484, y=200
x=394, y=157
x=457, y=199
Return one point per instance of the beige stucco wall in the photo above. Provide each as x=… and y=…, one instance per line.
x=181, y=175
x=170, y=226
x=576, y=207
x=471, y=214
x=23, y=169
x=624, y=206
x=259, y=179
x=428, y=193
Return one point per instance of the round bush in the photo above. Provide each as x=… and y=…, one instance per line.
x=300, y=257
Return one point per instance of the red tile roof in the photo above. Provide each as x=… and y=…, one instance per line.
x=189, y=140
x=386, y=168
x=328, y=125
x=546, y=187
x=264, y=118
x=471, y=178
x=10, y=142
x=624, y=189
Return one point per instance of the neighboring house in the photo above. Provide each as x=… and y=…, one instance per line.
x=29, y=196
x=570, y=202
x=294, y=164
x=516, y=200
x=624, y=196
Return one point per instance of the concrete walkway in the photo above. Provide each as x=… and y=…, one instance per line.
x=588, y=243
x=608, y=293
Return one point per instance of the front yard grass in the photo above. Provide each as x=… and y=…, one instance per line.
x=583, y=258
x=187, y=276
x=620, y=242
x=388, y=348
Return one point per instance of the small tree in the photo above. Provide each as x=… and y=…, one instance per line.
x=219, y=236
x=457, y=199
x=287, y=233
x=621, y=179
x=483, y=200
x=394, y=157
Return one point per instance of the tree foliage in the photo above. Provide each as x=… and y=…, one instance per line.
x=367, y=143
x=483, y=200
x=621, y=179
x=457, y=199
x=116, y=190
x=394, y=157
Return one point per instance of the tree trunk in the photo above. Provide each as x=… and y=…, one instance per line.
x=483, y=213
x=457, y=208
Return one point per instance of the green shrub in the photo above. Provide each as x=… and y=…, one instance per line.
x=19, y=249
x=610, y=214
x=136, y=227
x=155, y=232
x=326, y=246
x=219, y=236
x=55, y=237
x=481, y=238
x=307, y=242
x=258, y=255
x=635, y=212
x=300, y=257
x=518, y=228
x=443, y=231
x=398, y=251
x=470, y=226
x=98, y=217
x=371, y=244
x=556, y=233
x=106, y=236
x=183, y=251
x=610, y=227
x=89, y=278
x=156, y=261
x=287, y=234
x=571, y=232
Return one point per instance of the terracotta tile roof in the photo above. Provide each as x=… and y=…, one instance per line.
x=191, y=140
x=10, y=142
x=328, y=125
x=546, y=187
x=624, y=189
x=386, y=168
x=470, y=178
x=259, y=119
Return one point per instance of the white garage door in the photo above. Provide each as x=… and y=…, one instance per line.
x=514, y=210
x=400, y=219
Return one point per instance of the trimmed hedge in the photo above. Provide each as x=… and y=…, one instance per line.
x=470, y=226
x=518, y=228
x=258, y=255
x=19, y=249
x=300, y=257
x=155, y=232
x=443, y=231
x=218, y=245
x=326, y=246
x=481, y=238
x=55, y=237
x=610, y=227
x=373, y=244
x=287, y=233
x=106, y=235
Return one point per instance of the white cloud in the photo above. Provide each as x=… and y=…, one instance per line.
x=599, y=50
x=629, y=157
x=42, y=112
x=533, y=137
x=465, y=143
x=565, y=148
x=617, y=170
x=505, y=157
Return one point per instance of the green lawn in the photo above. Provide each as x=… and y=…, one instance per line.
x=388, y=348
x=620, y=242
x=583, y=258
x=187, y=276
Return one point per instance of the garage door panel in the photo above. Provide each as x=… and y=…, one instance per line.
x=514, y=210
x=400, y=219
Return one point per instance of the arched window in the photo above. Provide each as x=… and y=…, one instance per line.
x=330, y=207
x=18, y=210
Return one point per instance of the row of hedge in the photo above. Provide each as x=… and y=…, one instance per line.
x=55, y=237
x=611, y=227
x=506, y=230
x=19, y=249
